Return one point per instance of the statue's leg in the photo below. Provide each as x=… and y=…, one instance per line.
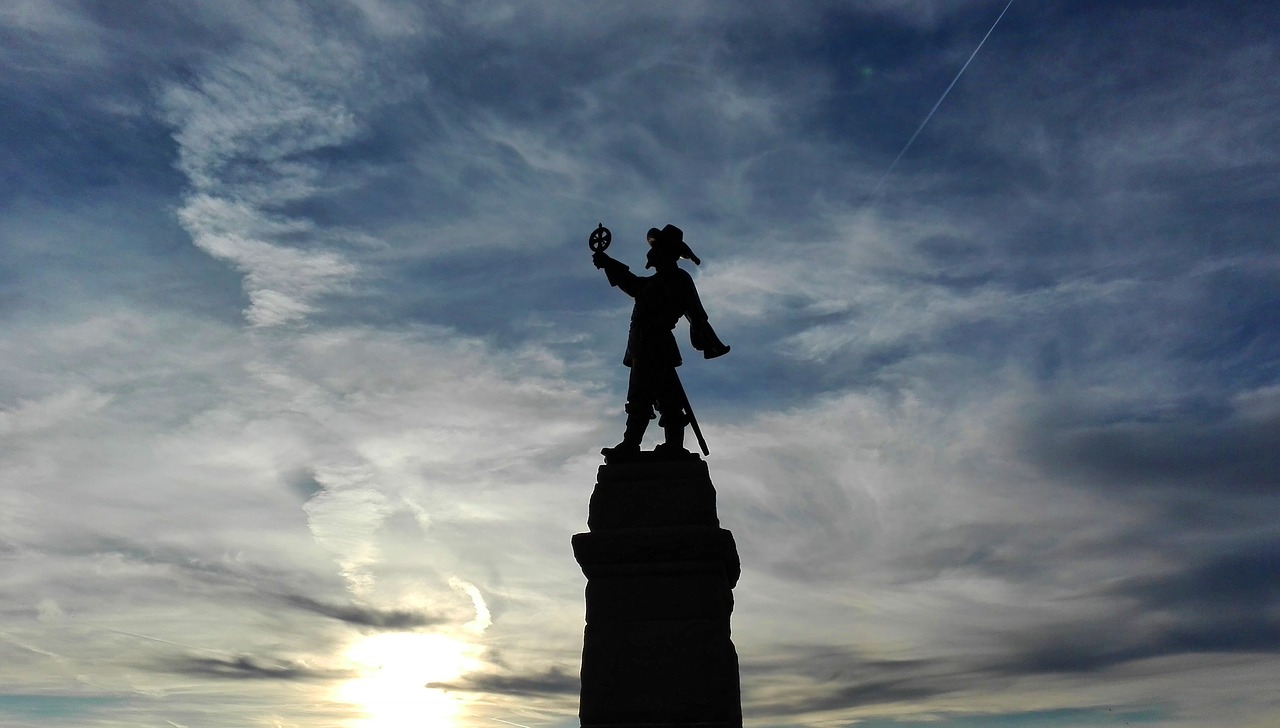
x=637, y=423
x=639, y=412
x=674, y=435
x=674, y=418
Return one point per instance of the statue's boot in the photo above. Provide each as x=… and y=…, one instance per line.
x=673, y=448
x=631, y=437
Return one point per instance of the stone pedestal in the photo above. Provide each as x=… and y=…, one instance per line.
x=660, y=571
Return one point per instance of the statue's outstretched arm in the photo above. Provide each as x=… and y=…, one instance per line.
x=619, y=274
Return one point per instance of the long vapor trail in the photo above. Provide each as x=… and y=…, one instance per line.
x=169, y=642
x=518, y=725
x=940, y=100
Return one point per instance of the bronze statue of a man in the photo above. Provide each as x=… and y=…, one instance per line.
x=660, y=300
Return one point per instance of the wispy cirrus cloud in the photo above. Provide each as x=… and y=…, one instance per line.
x=248, y=126
x=248, y=668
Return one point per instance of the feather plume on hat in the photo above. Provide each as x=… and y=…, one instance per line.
x=670, y=239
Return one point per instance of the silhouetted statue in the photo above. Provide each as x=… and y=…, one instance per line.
x=652, y=354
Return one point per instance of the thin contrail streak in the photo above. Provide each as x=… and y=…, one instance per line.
x=168, y=642
x=517, y=725
x=940, y=100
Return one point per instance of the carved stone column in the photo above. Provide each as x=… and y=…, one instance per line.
x=660, y=571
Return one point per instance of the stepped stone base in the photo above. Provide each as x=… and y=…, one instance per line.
x=660, y=573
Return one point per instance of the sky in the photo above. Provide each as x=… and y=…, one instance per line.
x=306, y=368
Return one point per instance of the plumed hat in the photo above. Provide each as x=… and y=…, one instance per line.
x=670, y=240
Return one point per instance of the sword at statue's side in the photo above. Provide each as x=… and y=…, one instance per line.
x=693, y=420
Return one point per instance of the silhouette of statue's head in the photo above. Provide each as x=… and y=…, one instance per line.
x=667, y=247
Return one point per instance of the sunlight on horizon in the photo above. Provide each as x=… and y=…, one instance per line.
x=393, y=671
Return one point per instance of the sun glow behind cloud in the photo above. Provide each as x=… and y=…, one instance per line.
x=393, y=670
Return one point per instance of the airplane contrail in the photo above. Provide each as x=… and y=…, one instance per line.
x=517, y=725
x=940, y=100
x=169, y=642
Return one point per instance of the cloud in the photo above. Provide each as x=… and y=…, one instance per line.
x=49, y=412
x=919, y=12
x=1185, y=450
x=554, y=682
x=281, y=281
x=1238, y=582
x=205, y=514
x=1222, y=604
x=364, y=616
x=28, y=24
x=825, y=679
x=248, y=668
x=345, y=517
x=248, y=128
